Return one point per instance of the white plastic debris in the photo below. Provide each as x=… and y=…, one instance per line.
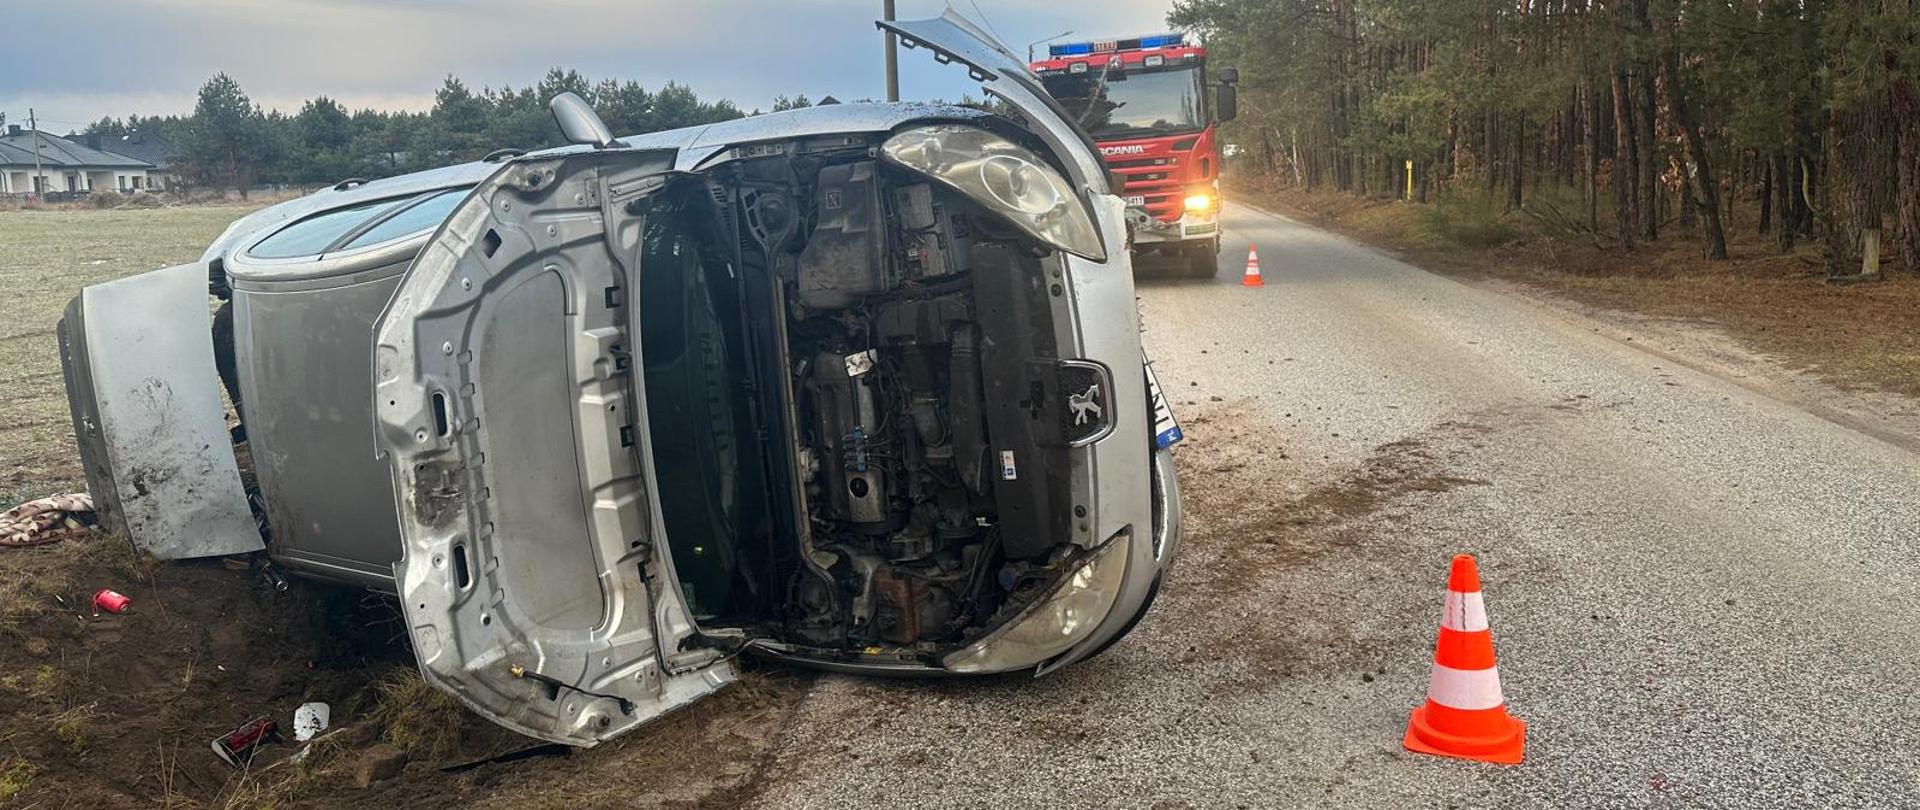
x=310, y=719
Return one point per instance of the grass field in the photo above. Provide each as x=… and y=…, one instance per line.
x=45, y=258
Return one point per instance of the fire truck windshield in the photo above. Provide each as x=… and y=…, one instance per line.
x=1113, y=103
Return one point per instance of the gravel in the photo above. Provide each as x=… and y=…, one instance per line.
x=1702, y=595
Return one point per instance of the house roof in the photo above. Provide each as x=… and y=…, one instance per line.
x=17, y=150
x=140, y=146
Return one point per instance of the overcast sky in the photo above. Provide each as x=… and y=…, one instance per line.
x=84, y=60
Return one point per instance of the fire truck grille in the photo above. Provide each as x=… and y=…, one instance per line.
x=1149, y=182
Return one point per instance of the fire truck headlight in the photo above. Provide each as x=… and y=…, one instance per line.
x=1201, y=202
x=1004, y=177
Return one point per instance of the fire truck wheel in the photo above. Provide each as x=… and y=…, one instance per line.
x=1202, y=261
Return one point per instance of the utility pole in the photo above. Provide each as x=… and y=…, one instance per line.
x=39, y=176
x=893, y=54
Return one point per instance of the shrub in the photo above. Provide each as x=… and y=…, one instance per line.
x=1469, y=219
x=105, y=199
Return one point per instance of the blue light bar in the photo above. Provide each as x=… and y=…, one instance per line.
x=1110, y=45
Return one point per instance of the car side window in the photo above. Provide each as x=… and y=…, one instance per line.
x=422, y=216
x=311, y=236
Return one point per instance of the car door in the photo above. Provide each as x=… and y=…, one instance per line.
x=137, y=354
x=534, y=576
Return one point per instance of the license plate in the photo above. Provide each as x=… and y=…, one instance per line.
x=1136, y=199
x=1166, y=431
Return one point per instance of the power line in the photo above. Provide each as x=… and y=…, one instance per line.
x=983, y=19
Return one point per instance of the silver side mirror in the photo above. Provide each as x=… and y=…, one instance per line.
x=579, y=122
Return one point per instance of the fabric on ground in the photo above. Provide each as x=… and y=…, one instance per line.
x=47, y=520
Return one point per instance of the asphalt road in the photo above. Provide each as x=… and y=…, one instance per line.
x=1703, y=591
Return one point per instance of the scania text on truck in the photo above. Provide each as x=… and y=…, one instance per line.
x=1144, y=101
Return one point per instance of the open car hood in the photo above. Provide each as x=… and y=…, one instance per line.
x=534, y=578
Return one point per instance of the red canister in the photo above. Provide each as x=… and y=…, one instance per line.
x=111, y=601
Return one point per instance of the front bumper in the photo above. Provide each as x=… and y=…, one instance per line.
x=1149, y=557
x=1190, y=227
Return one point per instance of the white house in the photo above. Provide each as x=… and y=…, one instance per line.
x=34, y=162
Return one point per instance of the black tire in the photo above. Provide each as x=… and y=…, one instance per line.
x=1202, y=261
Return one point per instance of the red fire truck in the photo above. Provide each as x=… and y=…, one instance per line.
x=1144, y=101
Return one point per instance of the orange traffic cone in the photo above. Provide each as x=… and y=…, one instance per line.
x=1252, y=278
x=1465, y=715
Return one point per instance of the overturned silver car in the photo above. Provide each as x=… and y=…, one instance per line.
x=857, y=386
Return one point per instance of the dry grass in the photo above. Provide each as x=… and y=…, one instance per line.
x=15, y=776
x=416, y=718
x=45, y=258
x=35, y=584
x=1864, y=336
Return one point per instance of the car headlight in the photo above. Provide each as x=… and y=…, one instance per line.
x=1003, y=176
x=1056, y=623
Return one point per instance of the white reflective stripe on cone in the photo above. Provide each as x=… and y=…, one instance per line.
x=1465, y=689
x=1466, y=612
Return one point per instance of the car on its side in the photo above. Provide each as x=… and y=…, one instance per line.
x=857, y=386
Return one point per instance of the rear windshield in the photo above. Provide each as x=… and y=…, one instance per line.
x=359, y=226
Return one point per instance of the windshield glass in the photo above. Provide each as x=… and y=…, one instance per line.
x=1112, y=102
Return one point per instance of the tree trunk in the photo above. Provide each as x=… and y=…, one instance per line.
x=1624, y=174
x=1906, y=120
x=1689, y=206
x=1838, y=214
x=1643, y=141
x=1786, y=199
x=1516, y=183
x=1294, y=157
x=1708, y=187
x=1590, y=145
x=1486, y=158
x=1730, y=195
x=1766, y=197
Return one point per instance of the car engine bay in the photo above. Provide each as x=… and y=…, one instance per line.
x=919, y=380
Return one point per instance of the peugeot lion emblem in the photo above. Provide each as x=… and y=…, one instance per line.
x=1085, y=403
